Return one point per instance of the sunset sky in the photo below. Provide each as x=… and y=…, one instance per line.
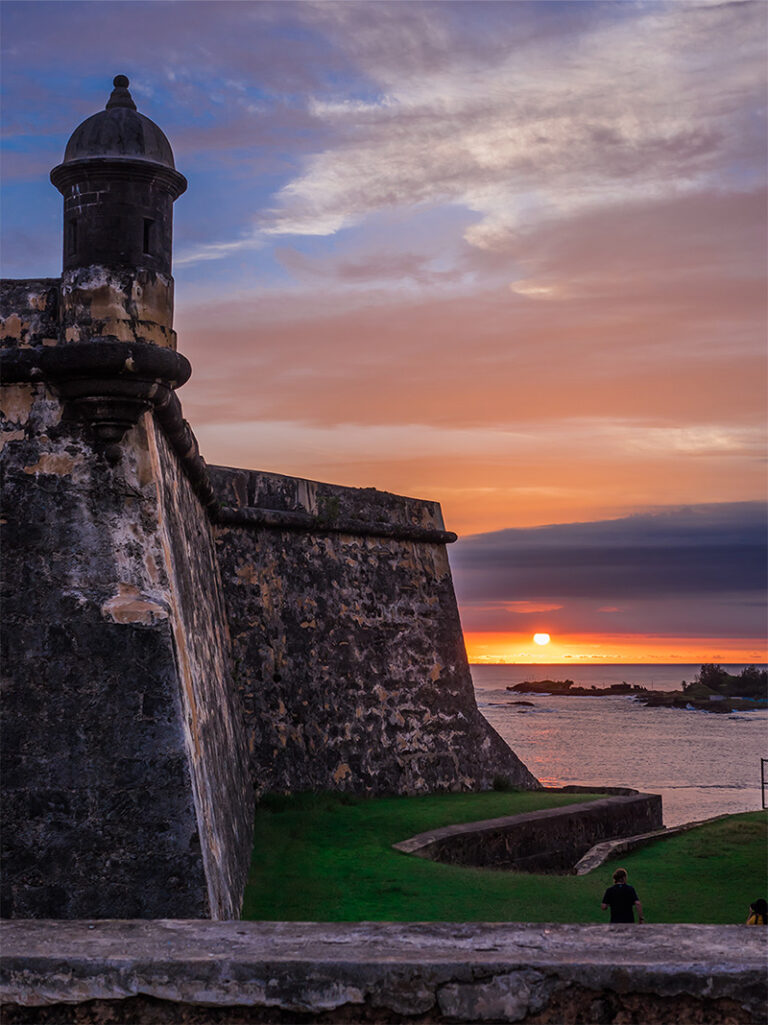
x=508, y=256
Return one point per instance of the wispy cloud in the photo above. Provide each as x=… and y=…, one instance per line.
x=510, y=256
x=216, y=250
x=643, y=107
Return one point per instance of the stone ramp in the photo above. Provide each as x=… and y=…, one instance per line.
x=226, y=972
x=601, y=852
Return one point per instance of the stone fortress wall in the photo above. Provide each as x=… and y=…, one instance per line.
x=125, y=785
x=549, y=840
x=161, y=667
x=346, y=641
x=178, y=639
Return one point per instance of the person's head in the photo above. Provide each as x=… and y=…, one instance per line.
x=760, y=907
x=620, y=876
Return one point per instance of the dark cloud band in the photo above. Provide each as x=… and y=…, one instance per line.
x=698, y=550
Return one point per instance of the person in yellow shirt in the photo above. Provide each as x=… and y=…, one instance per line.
x=758, y=913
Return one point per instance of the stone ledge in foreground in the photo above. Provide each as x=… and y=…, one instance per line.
x=219, y=972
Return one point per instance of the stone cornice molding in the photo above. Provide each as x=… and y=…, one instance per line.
x=108, y=384
x=119, y=169
x=289, y=520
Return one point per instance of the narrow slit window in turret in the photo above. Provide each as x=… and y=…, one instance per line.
x=148, y=223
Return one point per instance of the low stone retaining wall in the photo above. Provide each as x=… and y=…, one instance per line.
x=142, y=972
x=541, y=841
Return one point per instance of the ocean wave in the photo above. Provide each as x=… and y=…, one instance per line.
x=701, y=764
x=708, y=786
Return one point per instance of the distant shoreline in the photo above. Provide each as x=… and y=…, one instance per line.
x=686, y=700
x=567, y=688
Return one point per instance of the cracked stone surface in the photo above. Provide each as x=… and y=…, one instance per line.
x=384, y=971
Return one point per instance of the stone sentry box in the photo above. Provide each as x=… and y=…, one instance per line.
x=126, y=790
x=175, y=639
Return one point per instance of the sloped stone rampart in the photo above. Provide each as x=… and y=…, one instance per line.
x=125, y=782
x=347, y=647
x=551, y=840
x=246, y=972
x=215, y=735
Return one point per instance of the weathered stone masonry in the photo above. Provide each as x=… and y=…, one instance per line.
x=347, y=643
x=125, y=784
x=175, y=638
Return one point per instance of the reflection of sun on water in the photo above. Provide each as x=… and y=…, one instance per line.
x=541, y=639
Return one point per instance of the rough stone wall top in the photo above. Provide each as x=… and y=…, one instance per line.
x=333, y=504
x=89, y=303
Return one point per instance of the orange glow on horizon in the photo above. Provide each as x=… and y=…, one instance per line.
x=585, y=649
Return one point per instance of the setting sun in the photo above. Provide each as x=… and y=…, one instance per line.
x=541, y=638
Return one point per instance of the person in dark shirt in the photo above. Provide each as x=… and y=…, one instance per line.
x=622, y=899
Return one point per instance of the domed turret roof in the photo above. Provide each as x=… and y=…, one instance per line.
x=119, y=131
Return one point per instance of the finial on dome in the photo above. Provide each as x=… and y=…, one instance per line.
x=120, y=96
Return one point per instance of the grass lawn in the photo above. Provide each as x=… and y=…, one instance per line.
x=328, y=857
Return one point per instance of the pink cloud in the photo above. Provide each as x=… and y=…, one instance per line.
x=652, y=316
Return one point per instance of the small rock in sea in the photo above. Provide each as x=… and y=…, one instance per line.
x=529, y=703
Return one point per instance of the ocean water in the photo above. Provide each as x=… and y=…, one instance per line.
x=702, y=764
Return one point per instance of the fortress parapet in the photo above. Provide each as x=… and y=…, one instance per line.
x=346, y=641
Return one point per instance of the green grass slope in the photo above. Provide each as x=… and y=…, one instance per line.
x=328, y=857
